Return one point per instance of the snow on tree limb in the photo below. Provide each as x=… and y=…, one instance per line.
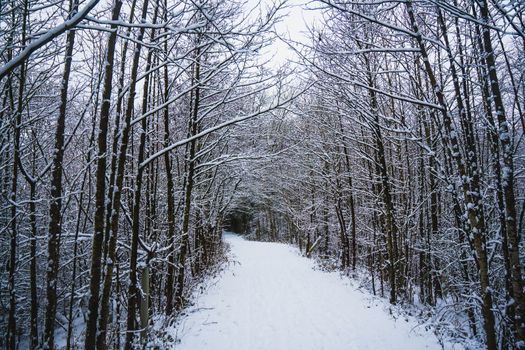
x=46, y=38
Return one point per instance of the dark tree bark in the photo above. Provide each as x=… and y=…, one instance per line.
x=507, y=178
x=55, y=206
x=476, y=220
x=100, y=187
x=351, y=201
x=117, y=132
x=114, y=215
x=193, y=125
x=133, y=290
x=170, y=278
x=391, y=226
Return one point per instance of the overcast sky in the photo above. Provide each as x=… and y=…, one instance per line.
x=299, y=17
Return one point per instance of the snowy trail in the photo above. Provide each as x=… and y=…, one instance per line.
x=272, y=299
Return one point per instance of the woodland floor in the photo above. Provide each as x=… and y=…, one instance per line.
x=272, y=298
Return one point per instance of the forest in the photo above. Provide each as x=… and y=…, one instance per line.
x=389, y=146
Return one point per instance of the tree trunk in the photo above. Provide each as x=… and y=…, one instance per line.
x=179, y=292
x=100, y=187
x=133, y=297
x=170, y=278
x=507, y=179
x=55, y=206
x=117, y=190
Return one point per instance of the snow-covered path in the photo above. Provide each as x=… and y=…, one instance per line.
x=272, y=299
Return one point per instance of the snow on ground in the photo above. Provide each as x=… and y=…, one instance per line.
x=273, y=299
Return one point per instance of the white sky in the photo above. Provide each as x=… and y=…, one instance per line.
x=298, y=17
